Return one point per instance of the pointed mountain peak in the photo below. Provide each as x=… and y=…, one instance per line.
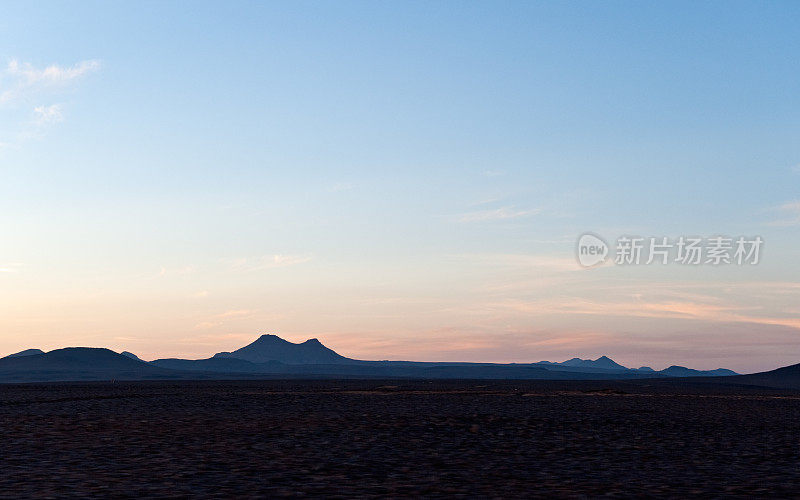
x=605, y=361
x=269, y=337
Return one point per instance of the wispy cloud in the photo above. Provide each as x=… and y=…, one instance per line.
x=223, y=317
x=502, y=213
x=790, y=214
x=235, y=313
x=50, y=74
x=22, y=85
x=489, y=200
x=37, y=124
x=340, y=186
x=177, y=271
x=47, y=115
x=523, y=261
x=10, y=268
x=269, y=262
x=289, y=260
x=24, y=78
x=667, y=301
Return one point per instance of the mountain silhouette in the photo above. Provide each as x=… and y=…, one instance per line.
x=273, y=348
x=77, y=363
x=787, y=377
x=270, y=356
x=603, y=362
x=26, y=352
x=682, y=371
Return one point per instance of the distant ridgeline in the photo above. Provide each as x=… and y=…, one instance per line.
x=270, y=356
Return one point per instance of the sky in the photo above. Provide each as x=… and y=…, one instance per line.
x=401, y=180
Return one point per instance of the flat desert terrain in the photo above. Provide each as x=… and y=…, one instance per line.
x=338, y=438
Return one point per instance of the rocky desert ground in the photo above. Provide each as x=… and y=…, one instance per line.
x=396, y=438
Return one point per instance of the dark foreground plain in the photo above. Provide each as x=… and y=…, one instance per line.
x=397, y=438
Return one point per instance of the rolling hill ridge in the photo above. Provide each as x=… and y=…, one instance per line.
x=271, y=356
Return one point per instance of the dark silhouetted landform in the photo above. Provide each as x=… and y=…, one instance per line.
x=131, y=355
x=603, y=362
x=272, y=357
x=77, y=363
x=682, y=371
x=787, y=377
x=273, y=348
x=26, y=352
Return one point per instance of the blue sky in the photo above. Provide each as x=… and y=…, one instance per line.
x=399, y=179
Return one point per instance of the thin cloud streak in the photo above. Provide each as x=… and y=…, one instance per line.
x=220, y=319
x=10, y=268
x=341, y=186
x=502, y=213
x=791, y=211
x=27, y=78
x=269, y=262
x=661, y=310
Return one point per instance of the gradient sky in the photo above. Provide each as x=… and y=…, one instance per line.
x=402, y=180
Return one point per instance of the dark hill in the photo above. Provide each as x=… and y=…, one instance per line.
x=77, y=363
x=787, y=377
x=273, y=348
x=26, y=352
x=603, y=362
x=682, y=371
